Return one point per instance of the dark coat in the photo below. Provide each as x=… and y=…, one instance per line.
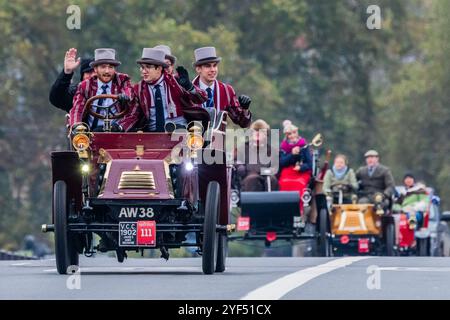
x=304, y=157
x=62, y=92
x=380, y=181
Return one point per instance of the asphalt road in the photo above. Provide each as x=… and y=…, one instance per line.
x=245, y=278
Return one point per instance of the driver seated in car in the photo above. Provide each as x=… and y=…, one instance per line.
x=106, y=81
x=340, y=181
x=373, y=179
x=414, y=200
x=250, y=172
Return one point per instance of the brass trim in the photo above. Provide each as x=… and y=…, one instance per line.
x=137, y=180
x=139, y=150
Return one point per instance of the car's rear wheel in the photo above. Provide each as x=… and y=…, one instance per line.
x=390, y=239
x=222, y=252
x=324, y=241
x=65, y=250
x=210, y=234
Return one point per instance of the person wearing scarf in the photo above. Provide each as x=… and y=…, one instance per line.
x=295, y=162
x=340, y=176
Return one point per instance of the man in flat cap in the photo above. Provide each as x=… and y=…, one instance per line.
x=375, y=178
x=63, y=90
x=220, y=95
x=159, y=97
x=106, y=81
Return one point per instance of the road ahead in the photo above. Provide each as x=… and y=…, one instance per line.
x=245, y=278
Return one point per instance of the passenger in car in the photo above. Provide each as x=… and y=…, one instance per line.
x=250, y=173
x=220, y=96
x=62, y=91
x=295, y=161
x=340, y=178
x=160, y=98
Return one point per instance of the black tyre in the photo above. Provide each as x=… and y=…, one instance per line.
x=390, y=240
x=210, y=235
x=422, y=245
x=222, y=252
x=65, y=250
x=324, y=241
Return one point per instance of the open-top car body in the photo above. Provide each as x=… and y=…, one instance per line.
x=140, y=191
x=276, y=215
x=360, y=228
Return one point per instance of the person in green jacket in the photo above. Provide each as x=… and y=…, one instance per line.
x=340, y=178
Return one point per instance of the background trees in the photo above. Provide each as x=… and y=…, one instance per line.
x=312, y=61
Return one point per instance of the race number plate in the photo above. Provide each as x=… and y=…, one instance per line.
x=137, y=234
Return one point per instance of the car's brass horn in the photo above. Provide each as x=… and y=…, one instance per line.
x=317, y=140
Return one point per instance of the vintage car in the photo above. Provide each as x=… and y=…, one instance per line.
x=275, y=215
x=364, y=229
x=140, y=191
x=422, y=227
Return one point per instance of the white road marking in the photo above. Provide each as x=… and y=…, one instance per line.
x=280, y=287
x=20, y=264
x=416, y=269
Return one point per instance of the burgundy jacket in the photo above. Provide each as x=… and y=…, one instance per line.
x=225, y=99
x=176, y=99
x=88, y=88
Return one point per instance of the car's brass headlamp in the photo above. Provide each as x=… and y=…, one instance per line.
x=80, y=142
x=194, y=139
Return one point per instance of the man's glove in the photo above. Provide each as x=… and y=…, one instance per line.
x=123, y=98
x=116, y=127
x=244, y=101
x=183, y=79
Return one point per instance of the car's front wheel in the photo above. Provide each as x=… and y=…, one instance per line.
x=65, y=250
x=210, y=234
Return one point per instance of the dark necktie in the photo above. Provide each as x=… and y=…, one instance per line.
x=99, y=103
x=160, y=119
x=210, y=101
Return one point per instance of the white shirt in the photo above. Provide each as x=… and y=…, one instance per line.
x=204, y=86
x=106, y=102
x=152, y=120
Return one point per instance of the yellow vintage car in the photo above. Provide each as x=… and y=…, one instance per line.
x=362, y=229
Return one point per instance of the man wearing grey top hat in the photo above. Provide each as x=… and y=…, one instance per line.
x=106, y=81
x=375, y=178
x=159, y=97
x=221, y=96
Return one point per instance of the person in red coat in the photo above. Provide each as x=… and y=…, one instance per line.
x=159, y=96
x=106, y=81
x=220, y=95
x=295, y=162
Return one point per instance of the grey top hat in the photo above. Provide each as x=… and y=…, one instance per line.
x=371, y=153
x=105, y=55
x=205, y=55
x=167, y=51
x=153, y=56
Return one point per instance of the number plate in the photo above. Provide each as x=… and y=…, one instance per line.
x=137, y=234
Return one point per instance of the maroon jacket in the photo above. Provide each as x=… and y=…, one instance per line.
x=225, y=99
x=88, y=88
x=175, y=96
